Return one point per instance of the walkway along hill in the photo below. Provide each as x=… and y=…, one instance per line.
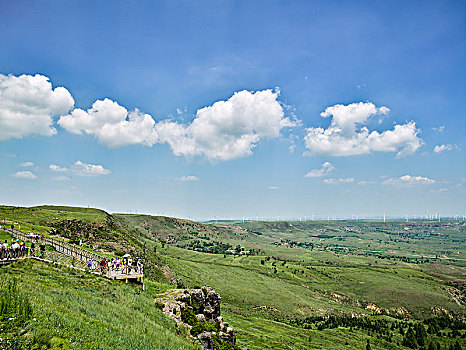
x=73, y=256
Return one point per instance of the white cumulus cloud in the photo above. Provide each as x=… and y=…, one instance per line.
x=27, y=164
x=24, y=175
x=111, y=124
x=441, y=148
x=188, y=178
x=326, y=169
x=80, y=169
x=408, y=180
x=273, y=188
x=338, y=181
x=57, y=168
x=228, y=129
x=28, y=104
x=347, y=136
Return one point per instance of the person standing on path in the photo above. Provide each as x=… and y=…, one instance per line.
x=5, y=249
x=42, y=250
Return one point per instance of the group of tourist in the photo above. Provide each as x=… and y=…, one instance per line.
x=17, y=248
x=13, y=250
x=124, y=265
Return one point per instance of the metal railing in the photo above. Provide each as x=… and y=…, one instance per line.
x=12, y=254
x=60, y=246
x=67, y=254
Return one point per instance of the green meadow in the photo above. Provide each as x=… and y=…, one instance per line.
x=284, y=285
x=88, y=312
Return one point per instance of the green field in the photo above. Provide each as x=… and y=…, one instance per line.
x=276, y=279
x=90, y=312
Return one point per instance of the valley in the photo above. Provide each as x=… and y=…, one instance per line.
x=284, y=285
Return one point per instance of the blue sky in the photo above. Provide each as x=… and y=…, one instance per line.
x=388, y=76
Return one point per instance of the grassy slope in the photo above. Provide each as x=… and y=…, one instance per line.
x=360, y=274
x=245, y=284
x=115, y=234
x=387, y=283
x=173, y=229
x=240, y=276
x=91, y=312
x=392, y=238
x=262, y=333
x=47, y=213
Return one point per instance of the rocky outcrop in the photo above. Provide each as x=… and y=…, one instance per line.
x=212, y=303
x=197, y=299
x=83, y=230
x=198, y=310
x=98, y=234
x=205, y=338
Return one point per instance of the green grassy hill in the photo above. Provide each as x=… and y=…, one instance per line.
x=304, y=269
x=94, y=229
x=284, y=285
x=84, y=311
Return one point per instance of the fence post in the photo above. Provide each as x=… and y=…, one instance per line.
x=143, y=284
